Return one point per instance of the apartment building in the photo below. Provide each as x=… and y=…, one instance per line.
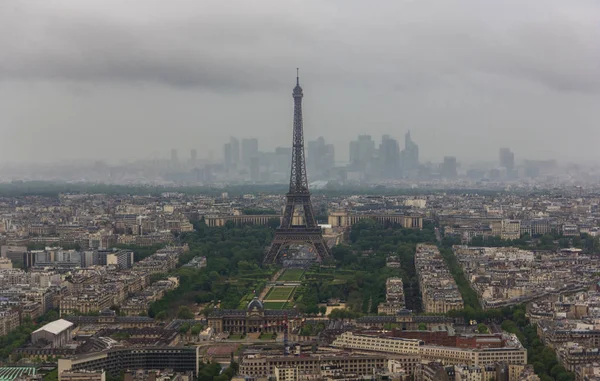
x=262, y=365
x=9, y=320
x=438, y=290
x=350, y=340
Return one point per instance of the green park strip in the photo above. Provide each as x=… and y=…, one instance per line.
x=291, y=275
x=274, y=305
x=280, y=293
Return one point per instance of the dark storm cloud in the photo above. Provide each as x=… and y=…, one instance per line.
x=230, y=45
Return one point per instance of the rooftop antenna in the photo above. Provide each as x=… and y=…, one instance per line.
x=298, y=76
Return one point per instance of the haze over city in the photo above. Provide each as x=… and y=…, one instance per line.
x=399, y=190
x=117, y=80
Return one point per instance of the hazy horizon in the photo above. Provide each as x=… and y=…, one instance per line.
x=107, y=80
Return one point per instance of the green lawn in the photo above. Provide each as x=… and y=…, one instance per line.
x=280, y=293
x=245, y=300
x=291, y=275
x=274, y=305
x=267, y=336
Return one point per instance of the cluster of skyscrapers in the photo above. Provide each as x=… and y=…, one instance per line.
x=386, y=162
x=242, y=159
x=368, y=161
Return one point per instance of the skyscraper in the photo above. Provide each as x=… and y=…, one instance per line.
x=507, y=159
x=320, y=157
x=284, y=159
x=193, y=157
x=410, y=155
x=448, y=168
x=235, y=151
x=389, y=157
x=254, y=169
x=249, y=150
x=174, y=158
x=227, y=156
x=362, y=151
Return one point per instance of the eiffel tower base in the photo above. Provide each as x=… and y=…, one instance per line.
x=306, y=236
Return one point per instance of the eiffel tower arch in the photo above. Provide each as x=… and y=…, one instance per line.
x=298, y=225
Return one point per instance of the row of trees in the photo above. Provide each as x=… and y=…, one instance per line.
x=258, y=212
x=469, y=295
x=543, y=358
x=53, y=189
x=552, y=241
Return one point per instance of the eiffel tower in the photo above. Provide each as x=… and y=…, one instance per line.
x=298, y=197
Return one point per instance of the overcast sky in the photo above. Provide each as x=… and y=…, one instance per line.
x=114, y=79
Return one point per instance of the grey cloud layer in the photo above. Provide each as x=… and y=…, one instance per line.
x=230, y=45
x=88, y=78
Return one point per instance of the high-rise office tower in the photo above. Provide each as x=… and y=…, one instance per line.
x=362, y=151
x=389, y=156
x=353, y=151
x=507, y=159
x=448, y=168
x=329, y=156
x=193, y=157
x=284, y=159
x=254, y=169
x=227, y=157
x=174, y=157
x=249, y=150
x=410, y=155
x=235, y=151
x=320, y=157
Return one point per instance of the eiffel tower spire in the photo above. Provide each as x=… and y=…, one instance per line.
x=298, y=196
x=298, y=179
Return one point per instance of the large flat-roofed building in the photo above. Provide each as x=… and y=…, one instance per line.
x=345, y=219
x=113, y=361
x=14, y=253
x=512, y=353
x=120, y=258
x=56, y=333
x=484, y=356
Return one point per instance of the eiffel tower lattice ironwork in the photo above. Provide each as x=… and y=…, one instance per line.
x=298, y=197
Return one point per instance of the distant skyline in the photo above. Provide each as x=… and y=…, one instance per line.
x=107, y=80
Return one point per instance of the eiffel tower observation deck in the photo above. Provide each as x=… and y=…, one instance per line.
x=298, y=228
